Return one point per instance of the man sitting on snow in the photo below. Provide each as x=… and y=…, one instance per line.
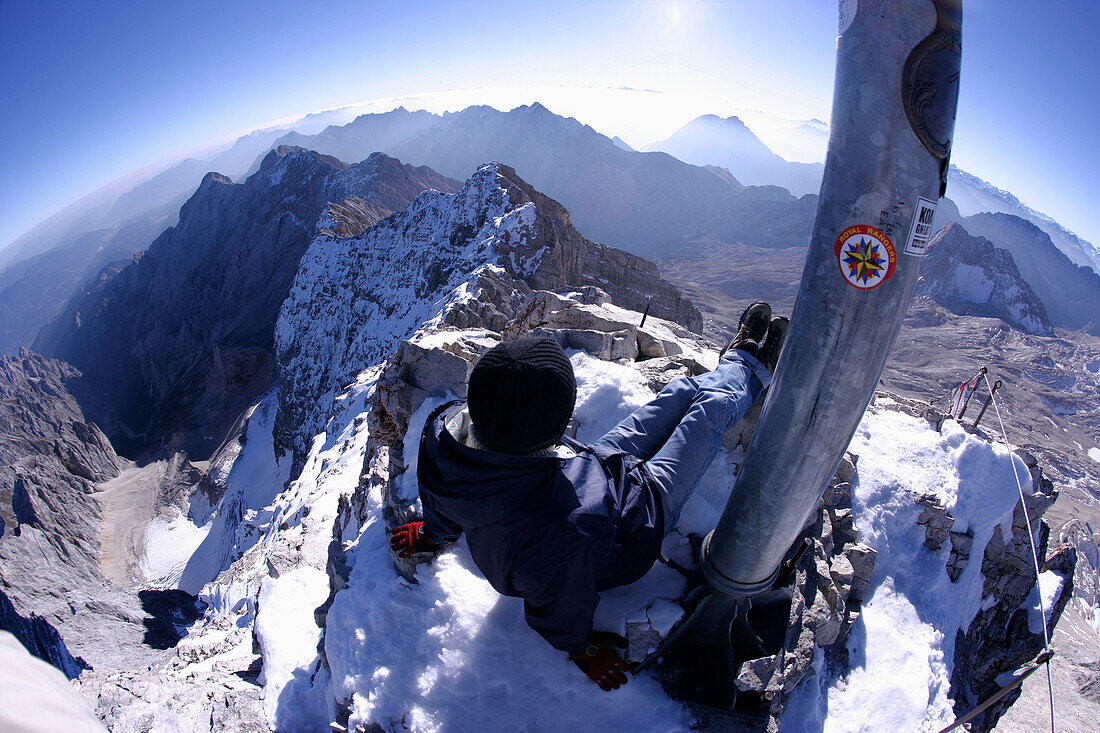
x=554, y=521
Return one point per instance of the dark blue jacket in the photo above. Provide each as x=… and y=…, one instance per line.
x=550, y=530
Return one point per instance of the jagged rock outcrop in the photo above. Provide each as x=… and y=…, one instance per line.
x=180, y=342
x=1002, y=635
x=51, y=460
x=50, y=457
x=354, y=299
x=972, y=277
x=40, y=639
x=828, y=585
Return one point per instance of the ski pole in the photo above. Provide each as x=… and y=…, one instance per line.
x=993, y=391
x=977, y=383
x=648, y=302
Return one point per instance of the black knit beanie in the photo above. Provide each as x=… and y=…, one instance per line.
x=521, y=395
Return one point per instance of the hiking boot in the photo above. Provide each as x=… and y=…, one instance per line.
x=751, y=329
x=768, y=353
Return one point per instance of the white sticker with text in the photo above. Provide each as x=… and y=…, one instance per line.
x=921, y=231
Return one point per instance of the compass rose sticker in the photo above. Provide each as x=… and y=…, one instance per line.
x=866, y=256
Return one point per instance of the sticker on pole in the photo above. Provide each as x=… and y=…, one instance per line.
x=866, y=256
x=921, y=231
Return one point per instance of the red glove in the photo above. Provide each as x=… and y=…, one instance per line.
x=408, y=539
x=600, y=662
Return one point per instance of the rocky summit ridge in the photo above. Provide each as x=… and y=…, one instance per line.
x=317, y=567
x=354, y=299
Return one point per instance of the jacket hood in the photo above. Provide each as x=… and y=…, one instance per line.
x=482, y=487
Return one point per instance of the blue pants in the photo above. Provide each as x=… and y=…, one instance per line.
x=678, y=432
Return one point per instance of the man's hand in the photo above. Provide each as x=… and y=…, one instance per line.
x=600, y=662
x=408, y=539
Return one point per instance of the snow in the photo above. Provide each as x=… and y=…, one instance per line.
x=971, y=284
x=285, y=629
x=169, y=544
x=904, y=681
x=449, y=653
x=1090, y=612
x=1094, y=454
x=902, y=646
x=606, y=393
x=1050, y=586
x=181, y=553
x=405, y=485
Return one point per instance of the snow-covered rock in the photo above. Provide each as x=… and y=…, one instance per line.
x=1070, y=292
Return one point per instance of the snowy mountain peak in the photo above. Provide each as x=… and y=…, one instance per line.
x=972, y=277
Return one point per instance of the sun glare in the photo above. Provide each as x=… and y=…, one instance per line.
x=674, y=13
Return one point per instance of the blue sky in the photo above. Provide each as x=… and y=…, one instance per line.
x=94, y=91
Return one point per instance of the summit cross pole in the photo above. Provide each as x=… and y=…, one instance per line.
x=894, y=101
x=893, y=119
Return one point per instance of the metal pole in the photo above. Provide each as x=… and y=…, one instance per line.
x=892, y=123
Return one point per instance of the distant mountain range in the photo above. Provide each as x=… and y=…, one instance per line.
x=166, y=190
x=973, y=196
x=34, y=291
x=640, y=202
x=643, y=202
x=712, y=140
